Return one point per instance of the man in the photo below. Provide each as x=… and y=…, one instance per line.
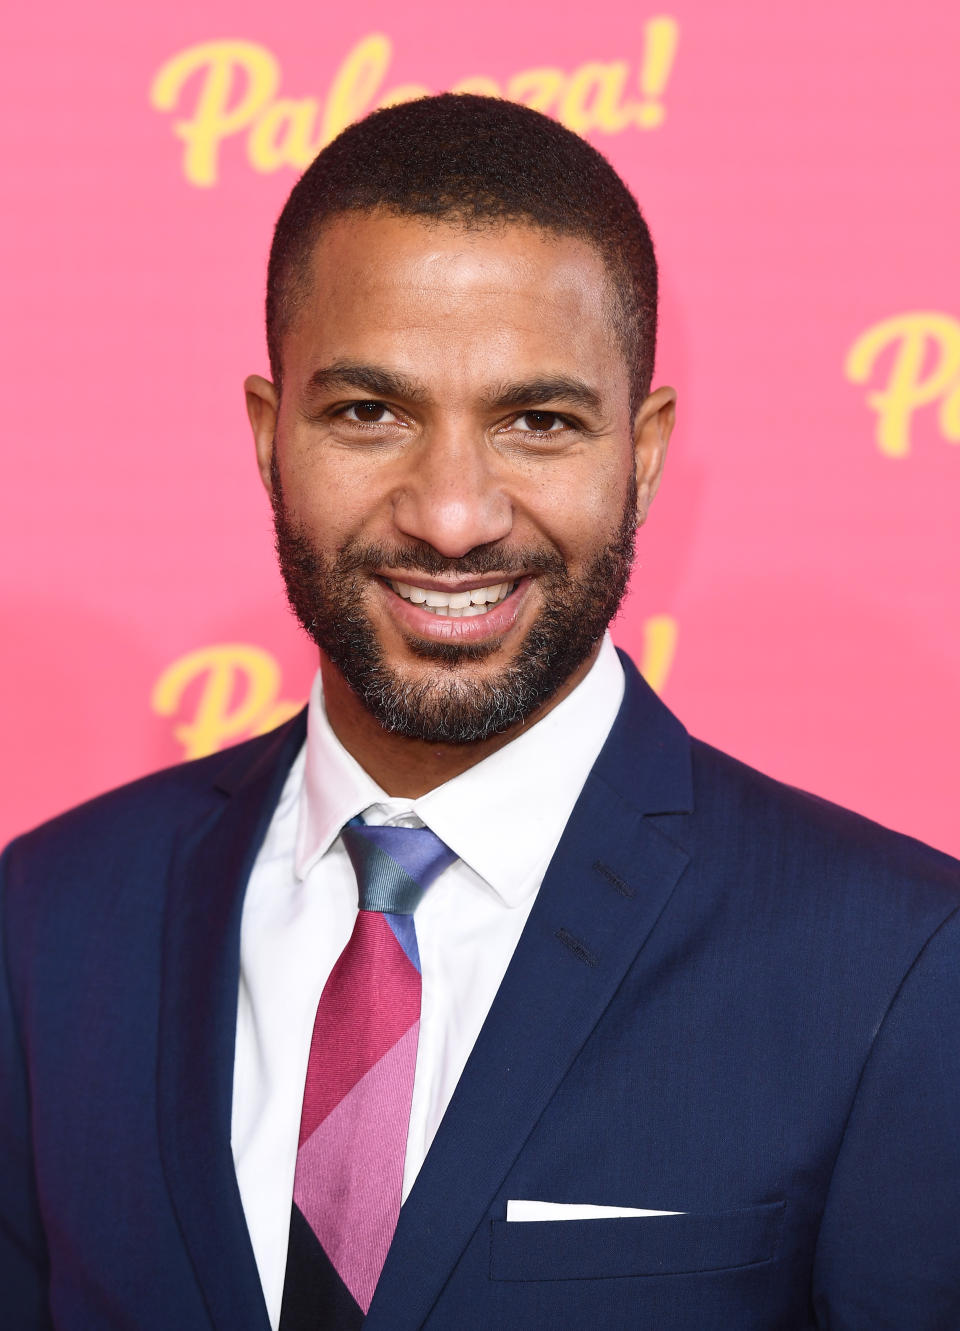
x=640, y=1038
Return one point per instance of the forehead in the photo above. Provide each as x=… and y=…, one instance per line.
x=415, y=292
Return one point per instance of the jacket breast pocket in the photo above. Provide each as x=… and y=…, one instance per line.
x=634, y=1246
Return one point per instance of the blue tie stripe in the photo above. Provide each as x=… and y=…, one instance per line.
x=406, y=936
x=394, y=865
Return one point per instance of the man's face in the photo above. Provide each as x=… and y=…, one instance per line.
x=454, y=469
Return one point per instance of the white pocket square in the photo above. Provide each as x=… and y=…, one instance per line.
x=526, y=1210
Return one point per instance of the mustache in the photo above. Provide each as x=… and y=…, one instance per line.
x=419, y=557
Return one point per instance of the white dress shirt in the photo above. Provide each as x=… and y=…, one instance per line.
x=503, y=817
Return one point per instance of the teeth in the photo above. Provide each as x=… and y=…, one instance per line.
x=455, y=605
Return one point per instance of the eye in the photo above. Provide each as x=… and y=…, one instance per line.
x=540, y=422
x=369, y=413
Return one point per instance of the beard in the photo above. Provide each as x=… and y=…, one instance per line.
x=452, y=707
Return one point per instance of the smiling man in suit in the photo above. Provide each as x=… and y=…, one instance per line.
x=479, y=995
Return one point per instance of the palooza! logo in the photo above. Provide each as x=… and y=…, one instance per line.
x=921, y=355
x=232, y=691
x=239, y=93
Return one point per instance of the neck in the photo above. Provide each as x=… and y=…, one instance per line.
x=408, y=768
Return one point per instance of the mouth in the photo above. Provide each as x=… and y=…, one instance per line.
x=464, y=603
x=476, y=611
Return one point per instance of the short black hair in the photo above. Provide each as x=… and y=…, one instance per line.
x=471, y=161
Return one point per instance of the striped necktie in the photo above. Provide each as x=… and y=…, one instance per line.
x=356, y=1101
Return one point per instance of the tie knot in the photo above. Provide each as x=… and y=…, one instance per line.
x=394, y=865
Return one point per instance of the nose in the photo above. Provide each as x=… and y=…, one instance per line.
x=453, y=495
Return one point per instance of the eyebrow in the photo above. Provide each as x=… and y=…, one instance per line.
x=372, y=379
x=548, y=388
x=381, y=382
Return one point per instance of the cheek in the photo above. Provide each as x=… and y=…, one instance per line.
x=333, y=496
x=585, y=511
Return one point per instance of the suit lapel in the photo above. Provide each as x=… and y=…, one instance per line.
x=610, y=878
x=197, y=1033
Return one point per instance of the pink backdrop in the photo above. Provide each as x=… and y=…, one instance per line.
x=796, y=600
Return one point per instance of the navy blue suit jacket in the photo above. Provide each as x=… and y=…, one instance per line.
x=731, y=1000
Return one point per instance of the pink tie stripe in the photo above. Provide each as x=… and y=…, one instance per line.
x=357, y=1024
x=350, y=1171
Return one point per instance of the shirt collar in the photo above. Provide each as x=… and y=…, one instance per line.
x=503, y=817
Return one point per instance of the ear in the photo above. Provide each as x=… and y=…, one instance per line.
x=652, y=427
x=262, y=406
